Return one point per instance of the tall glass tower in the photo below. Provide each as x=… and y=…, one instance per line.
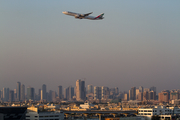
x=30, y=93
x=80, y=90
x=18, y=91
x=44, y=92
x=60, y=92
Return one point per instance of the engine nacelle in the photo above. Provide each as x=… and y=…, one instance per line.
x=78, y=16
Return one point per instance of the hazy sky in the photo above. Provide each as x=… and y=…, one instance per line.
x=138, y=43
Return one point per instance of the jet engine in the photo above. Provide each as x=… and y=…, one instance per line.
x=78, y=16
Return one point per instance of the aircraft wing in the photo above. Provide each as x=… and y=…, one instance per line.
x=87, y=14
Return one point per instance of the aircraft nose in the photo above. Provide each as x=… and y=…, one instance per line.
x=64, y=12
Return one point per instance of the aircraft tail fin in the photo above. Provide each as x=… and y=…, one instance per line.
x=100, y=16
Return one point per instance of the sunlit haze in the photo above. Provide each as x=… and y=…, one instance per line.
x=136, y=44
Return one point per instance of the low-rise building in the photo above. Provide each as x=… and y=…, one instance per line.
x=125, y=118
x=157, y=110
x=86, y=106
x=176, y=110
x=52, y=106
x=34, y=114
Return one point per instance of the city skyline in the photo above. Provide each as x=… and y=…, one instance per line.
x=136, y=44
x=81, y=93
x=56, y=88
x=59, y=88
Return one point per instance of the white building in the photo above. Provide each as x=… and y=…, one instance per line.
x=86, y=106
x=157, y=110
x=34, y=114
x=52, y=106
x=176, y=110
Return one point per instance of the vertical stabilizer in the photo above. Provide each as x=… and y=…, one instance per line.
x=100, y=16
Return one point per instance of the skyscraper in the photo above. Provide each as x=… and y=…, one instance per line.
x=90, y=89
x=15, y=95
x=137, y=93
x=174, y=94
x=116, y=90
x=65, y=93
x=18, y=91
x=39, y=94
x=7, y=94
x=140, y=96
x=30, y=93
x=80, y=90
x=152, y=95
x=49, y=96
x=83, y=90
x=141, y=89
x=132, y=93
x=0, y=94
x=145, y=95
x=70, y=93
x=146, y=89
x=126, y=96
x=104, y=92
x=23, y=92
x=44, y=92
x=11, y=95
x=97, y=92
x=153, y=89
x=163, y=96
x=112, y=91
x=60, y=92
x=4, y=94
x=53, y=96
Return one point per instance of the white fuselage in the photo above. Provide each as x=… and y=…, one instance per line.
x=81, y=16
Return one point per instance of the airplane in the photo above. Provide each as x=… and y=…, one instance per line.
x=84, y=16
